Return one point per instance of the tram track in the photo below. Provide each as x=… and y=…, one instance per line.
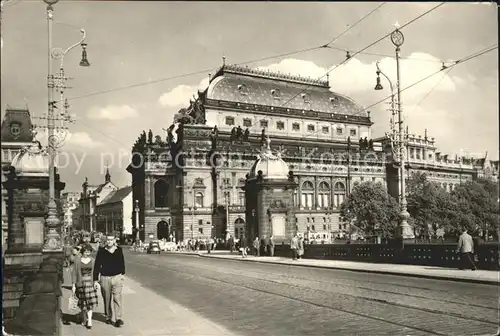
x=334, y=281
x=227, y=276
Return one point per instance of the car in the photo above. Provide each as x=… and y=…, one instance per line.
x=154, y=247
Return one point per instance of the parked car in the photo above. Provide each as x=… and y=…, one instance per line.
x=154, y=247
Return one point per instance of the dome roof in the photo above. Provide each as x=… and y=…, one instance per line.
x=272, y=166
x=31, y=161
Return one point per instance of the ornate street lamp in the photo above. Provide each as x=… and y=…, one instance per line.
x=53, y=240
x=397, y=39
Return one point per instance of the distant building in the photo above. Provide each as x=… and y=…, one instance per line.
x=69, y=202
x=16, y=134
x=114, y=213
x=90, y=197
x=446, y=170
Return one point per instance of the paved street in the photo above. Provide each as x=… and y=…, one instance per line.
x=249, y=298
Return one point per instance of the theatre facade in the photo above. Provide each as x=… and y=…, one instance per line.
x=190, y=185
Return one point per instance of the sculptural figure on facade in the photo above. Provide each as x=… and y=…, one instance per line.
x=361, y=144
x=263, y=137
x=232, y=137
x=246, y=135
x=370, y=144
x=150, y=137
x=239, y=134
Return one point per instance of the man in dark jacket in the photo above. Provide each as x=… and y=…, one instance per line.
x=265, y=245
x=110, y=265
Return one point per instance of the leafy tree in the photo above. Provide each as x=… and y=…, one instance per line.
x=370, y=208
x=478, y=206
x=430, y=206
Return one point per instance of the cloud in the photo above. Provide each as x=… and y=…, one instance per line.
x=112, y=112
x=355, y=76
x=180, y=95
x=69, y=139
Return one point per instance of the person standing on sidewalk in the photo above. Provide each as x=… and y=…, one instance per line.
x=243, y=246
x=256, y=247
x=466, y=249
x=83, y=286
x=294, y=246
x=271, y=246
x=110, y=265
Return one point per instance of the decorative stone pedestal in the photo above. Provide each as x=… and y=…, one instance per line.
x=27, y=188
x=269, y=192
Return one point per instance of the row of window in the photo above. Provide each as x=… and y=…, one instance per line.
x=280, y=125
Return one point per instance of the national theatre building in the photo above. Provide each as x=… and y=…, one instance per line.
x=191, y=184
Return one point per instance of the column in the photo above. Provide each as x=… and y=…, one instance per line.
x=315, y=200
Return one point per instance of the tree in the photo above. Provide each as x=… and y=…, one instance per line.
x=431, y=208
x=478, y=206
x=371, y=209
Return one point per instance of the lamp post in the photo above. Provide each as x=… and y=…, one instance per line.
x=397, y=39
x=53, y=237
x=137, y=224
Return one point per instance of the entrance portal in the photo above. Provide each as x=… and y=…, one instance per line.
x=162, y=230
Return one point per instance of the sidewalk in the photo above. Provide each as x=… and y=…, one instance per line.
x=432, y=272
x=145, y=313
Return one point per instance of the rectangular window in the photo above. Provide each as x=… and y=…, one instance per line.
x=324, y=227
x=200, y=230
x=340, y=131
x=241, y=198
x=326, y=129
x=200, y=221
x=373, y=179
x=225, y=181
x=263, y=123
x=296, y=127
x=229, y=121
x=353, y=132
x=280, y=125
x=313, y=228
x=310, y=128
x=247, y=122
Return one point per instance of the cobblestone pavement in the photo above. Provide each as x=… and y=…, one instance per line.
x=252, y=298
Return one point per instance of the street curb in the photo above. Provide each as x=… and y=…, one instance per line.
x=424, y=276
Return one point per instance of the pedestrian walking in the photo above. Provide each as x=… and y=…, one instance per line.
x=300, y=250
x=83, y=286
x=466, y=249
x=110, y=265
x=271, y=246
x=294, y=246
x=265, y=245
x=230, y=243
x=243, y=246
x=256, y=247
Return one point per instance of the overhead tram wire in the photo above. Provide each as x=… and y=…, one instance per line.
x=239, y=63
x=447, y=68
x=367, y=47
x=460, y=61
x=387, y=55
x=354, y=25
x=207, y=70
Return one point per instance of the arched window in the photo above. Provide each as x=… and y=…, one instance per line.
x=239, y=228
x=161, y=190
x=324, y=195
x=307, y=195
x=338, y=194
x=198, y=199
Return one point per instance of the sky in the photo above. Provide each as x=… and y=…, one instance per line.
x=143, y=56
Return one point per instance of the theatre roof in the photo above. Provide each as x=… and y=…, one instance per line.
x=245, y=85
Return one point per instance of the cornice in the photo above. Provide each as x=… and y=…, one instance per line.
x=287, y=112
